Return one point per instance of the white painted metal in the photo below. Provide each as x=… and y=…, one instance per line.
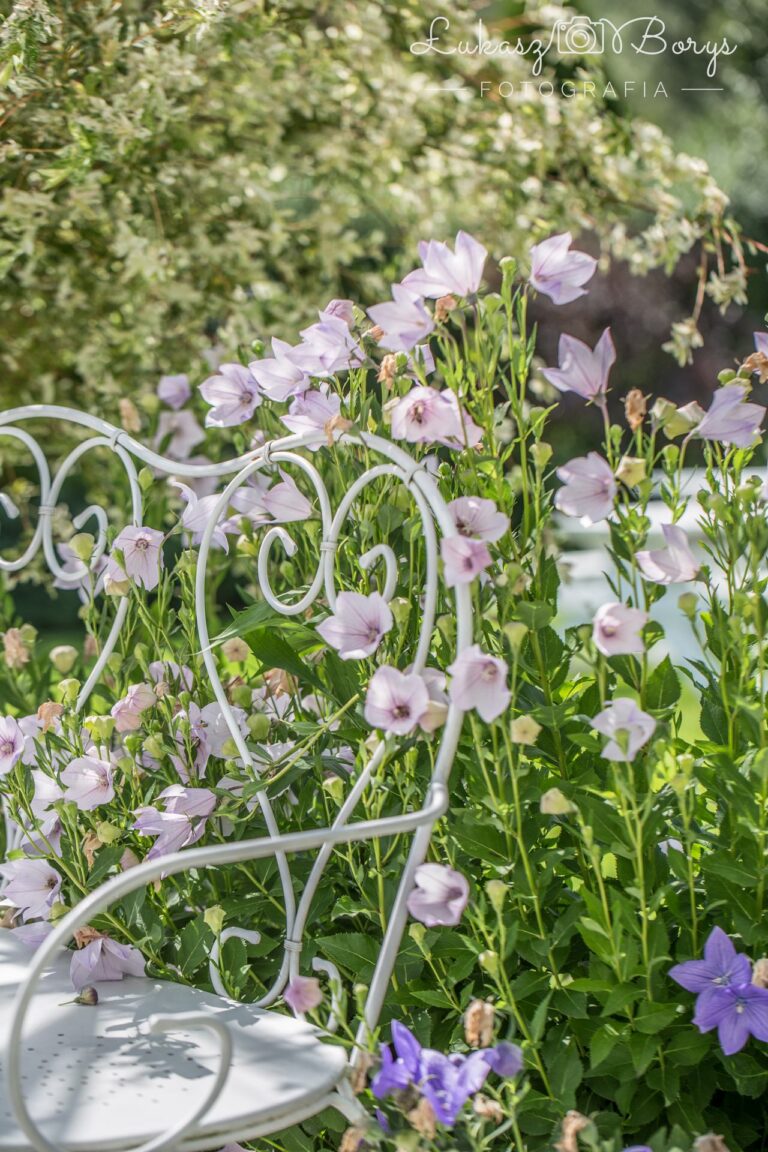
x=237, y=1103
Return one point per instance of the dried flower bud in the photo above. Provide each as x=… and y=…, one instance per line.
x=129, y=415
x=757, y=362
x=760, y=972
x=632, y=470
x=422, y=1118
x=91, y=845
x=635, y=408
x=15, y=651
x=387, y=369
x=478, y=1024
x=88, y=996
x=48, y=713
x=360, y=1070
x=352, y=1139
x=336, y=424
x=86, y=935
x=524, y=730
x=443, y=307
x=710, y=1143
x=488, y=1109
x=375, y=333
x=573, y=1123
x=280, y=683
x=8, y=917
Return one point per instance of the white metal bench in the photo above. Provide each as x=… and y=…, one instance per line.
x=156, y=1065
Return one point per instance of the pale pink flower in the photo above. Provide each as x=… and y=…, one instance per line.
x=174, y=390
x=404, y=320
x=233, y=395
x=277, y=376
x=439, y=897
x=142, y=554
x=340, y=310
x=558, y=271
x=467, y=434
x=395, y=701
x=285, y=503
x=32, y=886
x=312, y=412
x=104, y=959
x=479, y=518
x=32, y=935
x=463, y=559
x=617, y=630
x=127, y=711
x=426, y=416
x=358, y=624
x=178, y=433
x=447, y=273
x=627, y=728
x=589, y=488
x=303, y=994
x=479, y=681
x=437, y=708
x=169, y=671
x=181, y=825
x=216, y=728
x=47, y=792
x=674, y=564
x=327, y=347
x=583, y=370
x=198, y=513
x=730, y=419
x=11, y=744
x=88, y=782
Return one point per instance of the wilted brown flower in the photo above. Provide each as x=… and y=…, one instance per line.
x=760, y=972
x=91, y=845
x=15, y=651
x=635, y=408
x=387, y=369
x=710, y=1143
x=352, y=1139
x=478, y=1024
x=443, y=307
x=488, y=1109
x=757, y=362
x=423, y=1119
x=375, y=333
x=360, y=1070
x=336, y=423
x=573, y=1123
x=48, y=713
x=86, y=935
x=280, y=683
x=129, y=415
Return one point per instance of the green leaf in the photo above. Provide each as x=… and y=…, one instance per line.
x=565, y=1073
x=663, y=688
x=352, y=951
x=652, y=1018
x=273, y=650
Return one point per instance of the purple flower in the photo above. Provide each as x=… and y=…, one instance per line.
x=327, y=348
x=738, y=1011
x=761, y=342
x=233, y=395
x=449, y=1081
x=721, y=967
x=88, y=782
x=312, y=412
x=182, y=824
x=127, y=711
x=505, y=1059
x=11, y=744
x=626, y=726
x=404, y=320
x=447, y=273
x=104, y=959
x=277, y=376
x=358, y=624
x=197, y=514
x=142, y=555
x=479, y=681
x=616, y=630
x=397, y=1072
x=395, y=701
x=478, y=518
x=341, y=310
x=168, y=671
x=32, y=886
x=730, y=419
x=439, y=897
x=303, y=994
x=559, y=272
x=674, y=564
x=463, y=559
x=284, y=502
x=174, y=390
x=423, y=416
x=581, y=369
x=590, y=488
x=177, y=434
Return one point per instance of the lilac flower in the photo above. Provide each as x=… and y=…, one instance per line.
x=89, y=582
x=312, y=412
x=47, y=793
x=142, y=555
x=674, y=564
x=88, y=782
x=505, y=1059
x=340, y=310
x=439, y=897
x=479, y=681
x=127, y=711
x=303, y=994
x=32, y=886
x=616, y=630
x=233, y=395
x=171, y=672
x=721, y=967
x=395, y=701
x=423, y=416
x=198, y=513
x=398, y=1072
x=559, y=272
x=216, y=728
x=327, y=348
x=583, y=370
x=277, y=376
x=626, y=726
x=174, y=390
x=590, y=488
x=463, y=559
x=449, y=1081
x=358, y=624
x=181, y=825
x=11, y=744
x=32, y=935
x=467, y=434
x=404, y=320
x=447, y=273
x=104, y=959
x=730, y=419
x=761, y=342
x=738, y=1011
x=177, y=434
x=478, y=518
x=285, y=503
x=44, y=838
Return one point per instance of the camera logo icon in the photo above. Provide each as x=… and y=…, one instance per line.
x=580, y=36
